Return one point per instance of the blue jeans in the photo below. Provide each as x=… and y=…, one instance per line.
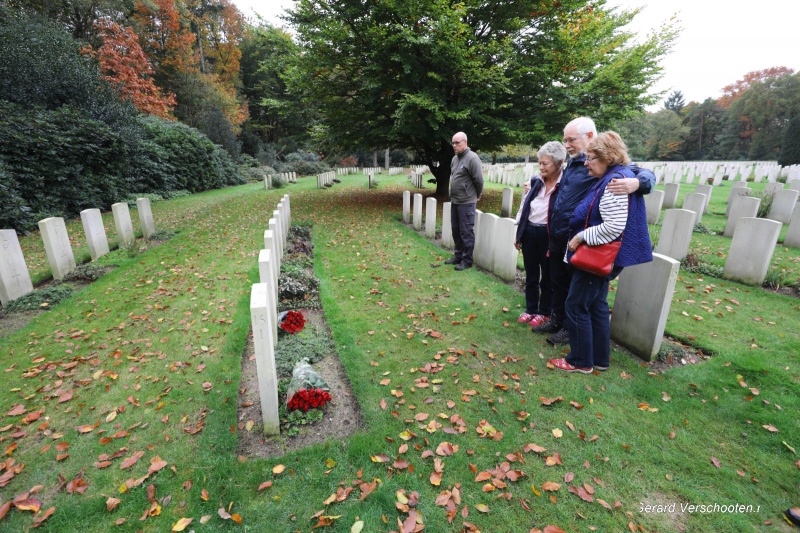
x=588, y=320
x=462, y=224
x=538, y=291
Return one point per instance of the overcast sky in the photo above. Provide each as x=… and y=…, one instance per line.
x=720, y=42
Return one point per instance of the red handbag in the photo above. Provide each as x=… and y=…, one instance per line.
x=597, y=260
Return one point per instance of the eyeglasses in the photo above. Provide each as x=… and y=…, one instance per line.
x=457, y=142
x=590, y=159
x=570, y=140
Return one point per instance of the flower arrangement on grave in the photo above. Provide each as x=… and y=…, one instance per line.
x=307, y=390
x=293, y=322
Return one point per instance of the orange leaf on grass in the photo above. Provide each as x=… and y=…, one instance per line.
x=39, y=520
x=265, y=485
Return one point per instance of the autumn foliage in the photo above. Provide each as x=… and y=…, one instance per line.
x=124, y=64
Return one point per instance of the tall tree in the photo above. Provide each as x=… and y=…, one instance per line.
x=790, y=151
x=666, y=136
x=125, y=66
x=732, y=92
x=410, y=74
x=704, y=122
x=675, y=102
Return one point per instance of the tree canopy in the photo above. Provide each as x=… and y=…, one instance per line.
x=410, y=74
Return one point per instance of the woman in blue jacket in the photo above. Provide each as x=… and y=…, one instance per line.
x=532, y=233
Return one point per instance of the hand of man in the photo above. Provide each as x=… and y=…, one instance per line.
x=518, y=245
x=623, y=186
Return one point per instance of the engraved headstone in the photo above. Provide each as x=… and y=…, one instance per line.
x=15, y=281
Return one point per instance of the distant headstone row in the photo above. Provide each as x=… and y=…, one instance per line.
x=326, y=179
x=713, y=172
x=508, y=174
x=288, y=177
x=264, y=313
x=15, y=281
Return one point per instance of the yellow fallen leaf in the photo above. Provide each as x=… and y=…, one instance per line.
x=557, y=433
x=357, y=527
x=181, y=524
x=278, y=469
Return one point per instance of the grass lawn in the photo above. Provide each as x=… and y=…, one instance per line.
x=119, y=404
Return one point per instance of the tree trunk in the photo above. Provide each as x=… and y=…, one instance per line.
x=387, y=160
x=375, y=158
x=438, y=161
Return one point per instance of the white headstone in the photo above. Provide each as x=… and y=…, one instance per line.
x=641, y=305
x=485, y=224
x=742, y=207
x=447, y=228
x=417, y=220
x=122, y=221
x=773, y=187
x=695, y=202
x=406, y=207
x=783, y=205
x=265, y=358
x=653, y=202
x=793, y=231
x=751, y=250
x=671, y=191
x=676, y=233
x=707, y=190
x=735, y=192
x=15, y=281
x=96, y=238
x=505, y=254
x=430, y=218
x=272, y=246
x=274, y=227
x=793, y=184
x=146, y=217
x=266, y=275
x=57, y=246
x=508, y=202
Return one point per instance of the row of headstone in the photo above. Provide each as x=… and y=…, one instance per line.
x=15, y=280
x=343, y=171
x=288, y=177
x=325, y=179
x=505, y=174
x=714, y=172
x=494, y=236
x=264, y=313
x=394, y=171
x=416, y=180
x=373, y=170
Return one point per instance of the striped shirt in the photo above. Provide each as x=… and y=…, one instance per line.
x=614, y=212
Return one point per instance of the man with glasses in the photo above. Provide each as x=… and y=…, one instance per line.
x=466, y=187
x=575, y=183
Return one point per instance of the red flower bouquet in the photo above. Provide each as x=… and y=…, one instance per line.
x=293, y=322
x=307, y=390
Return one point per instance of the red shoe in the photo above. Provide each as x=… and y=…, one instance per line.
x=525, y=317
x=562, y=364
x=538, y=320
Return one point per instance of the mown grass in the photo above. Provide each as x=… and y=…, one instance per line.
x=438, y=336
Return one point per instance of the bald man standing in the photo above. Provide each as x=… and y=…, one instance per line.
x=466, y=187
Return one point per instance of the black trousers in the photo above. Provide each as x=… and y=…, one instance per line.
x=538, y=289
x=462, y=223
x=560, y=277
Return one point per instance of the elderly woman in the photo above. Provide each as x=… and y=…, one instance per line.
x=532, y=237
x=601, y=218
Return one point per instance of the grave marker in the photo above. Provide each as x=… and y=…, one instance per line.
x=793, y=231
x=417, y=212
x=783, y=204
x=671, y=191
x=430, y=218
x=507, y=203
x=146, y=217
x=485, y=224
x=266, y=275
x=122, y=221
x=96, y=238
x=653, y=202
x=57, y=246
x=676, y=233
x=505, y=254
x=735, y=192
x=265, y=358
x=742, y=207
x=447, y=228
x=406, y=207
x=15, y=281
x=695, y=202
x=751, y=250
x=641, y=305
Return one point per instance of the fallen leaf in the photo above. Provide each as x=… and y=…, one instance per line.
x=181, y=524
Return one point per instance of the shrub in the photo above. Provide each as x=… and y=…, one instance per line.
x=311, y=344
x=88, y=272
x=766, y=198
x=40, y=299
x=304, y=168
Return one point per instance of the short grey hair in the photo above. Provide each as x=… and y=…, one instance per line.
x=584, y=125
x=555, y=150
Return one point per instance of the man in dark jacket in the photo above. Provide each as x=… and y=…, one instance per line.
x=575, y=183
x=466, y=187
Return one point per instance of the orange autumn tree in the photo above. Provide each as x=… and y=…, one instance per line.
x=732, y=92
x=125, y=66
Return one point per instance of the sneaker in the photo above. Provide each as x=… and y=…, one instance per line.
x=538, y=320
x=562, y=364
x=462, y=266
x=452, y=261
x=525, y=317
x=551, y=326
x=600, y=368
x=560, y=337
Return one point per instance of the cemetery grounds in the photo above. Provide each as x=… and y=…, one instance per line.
x=462, y=425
